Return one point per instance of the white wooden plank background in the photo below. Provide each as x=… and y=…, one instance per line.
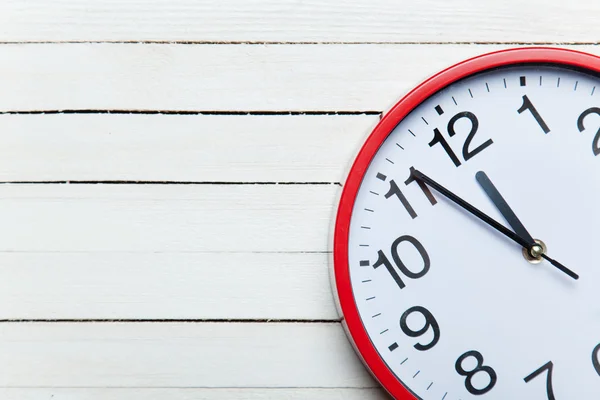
x=299, y=21
x=158, y=355
x=220, y=77
x=192, y=394
x=180, y=148
x=165, y=285
x=204, y=144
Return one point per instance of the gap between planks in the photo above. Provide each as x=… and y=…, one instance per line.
x=174, y=320
x=126, y=182
x=304, y=43
x=184, y=112
x=184, y=393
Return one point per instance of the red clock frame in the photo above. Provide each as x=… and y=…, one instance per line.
x=353, y=323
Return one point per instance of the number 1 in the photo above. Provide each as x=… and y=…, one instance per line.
x=527, y=105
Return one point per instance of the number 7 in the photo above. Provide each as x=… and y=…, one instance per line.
x=548, y=366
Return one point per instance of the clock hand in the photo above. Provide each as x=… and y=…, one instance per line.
x=534, y=250
x=533, y=247
x=502, y=206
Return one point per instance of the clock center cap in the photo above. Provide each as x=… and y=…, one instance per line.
x=534, y=253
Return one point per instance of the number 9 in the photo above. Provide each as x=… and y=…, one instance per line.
x=430, y=322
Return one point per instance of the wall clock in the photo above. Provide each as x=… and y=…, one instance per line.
x=465, y=242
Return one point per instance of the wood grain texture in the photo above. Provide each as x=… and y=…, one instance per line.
x=166, y=251
x=294, y=21
x=166, y=218
x=176, y=355
x=219, y=77
x=193, y=394
x=165, y=286
x=190, y=148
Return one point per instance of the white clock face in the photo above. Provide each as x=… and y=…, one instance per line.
x=450, y=304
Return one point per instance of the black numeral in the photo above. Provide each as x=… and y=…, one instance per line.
x=527, y=105
x=595, y=144
x=422, y=185
x=430, y=322
x=548, y=367
x=383, y=260
x=468, y=154
x=439, y=138
x=466, y=151
x=595, y=361
x=478, y=368
x=395, y=191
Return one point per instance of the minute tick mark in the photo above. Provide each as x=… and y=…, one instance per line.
x=424, y=120
x=369, y=210
x=415, y=375
x=487, y=87
x=558, y=82
x=575, y=88
x=454, y=100
x=404, y=361
x=399, y=146
x=504, y=83
x=471, y=93
x=376, y=194
x=370, y=298
x=390, y=161
x=411, y=132
x=429, y=387
x=593, y=90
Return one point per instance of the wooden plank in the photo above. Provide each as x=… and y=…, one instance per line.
x=219, y=77
x=196, y=148
x=254, y=286
x=192, y=394
x=292, y=21
x=166, y=218
x=176, y=355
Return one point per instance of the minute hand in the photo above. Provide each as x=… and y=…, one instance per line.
x=489, y=220
x=472, y=209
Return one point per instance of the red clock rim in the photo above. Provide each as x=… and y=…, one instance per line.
x=353, y=323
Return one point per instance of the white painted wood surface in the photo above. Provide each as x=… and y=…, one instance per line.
x=188, y=256
x=299, y=21
x=180, y=148
x=166, y=218
x=165, y=285
x=220, y=77
x=159, y=355
x=192, y=394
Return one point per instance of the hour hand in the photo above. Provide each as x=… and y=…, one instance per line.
x=535, y=249
x=503, y=207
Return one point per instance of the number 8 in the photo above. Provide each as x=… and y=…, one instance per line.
x=479, y=368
